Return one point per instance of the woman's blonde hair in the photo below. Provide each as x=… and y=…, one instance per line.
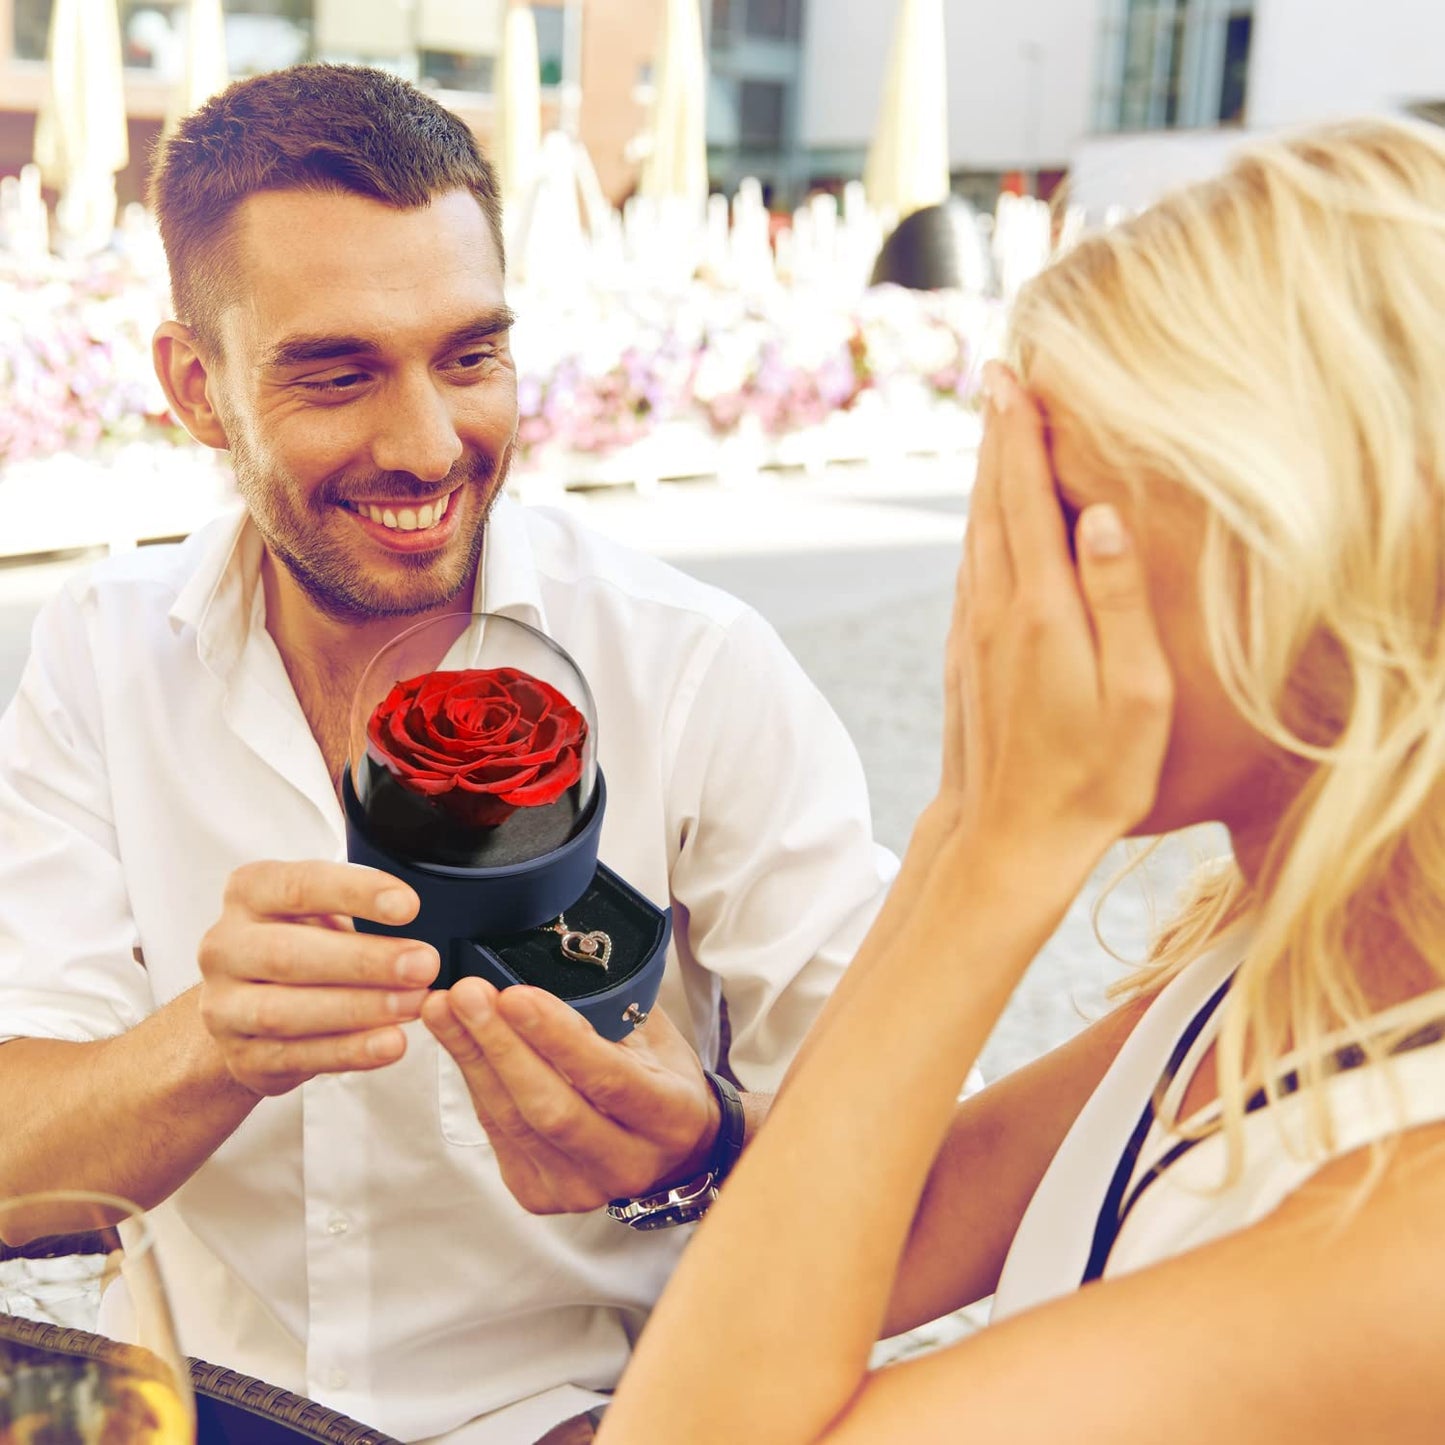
x=1273, y=342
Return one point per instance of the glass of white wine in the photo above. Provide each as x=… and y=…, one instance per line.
x=88, y=1350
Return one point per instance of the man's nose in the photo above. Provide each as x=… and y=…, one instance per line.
x=416, y=433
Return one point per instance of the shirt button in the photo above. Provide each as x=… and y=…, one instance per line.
x=337, y=1379
x=337, y=1223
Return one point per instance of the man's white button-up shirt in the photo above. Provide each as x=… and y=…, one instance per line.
x=353, y=1240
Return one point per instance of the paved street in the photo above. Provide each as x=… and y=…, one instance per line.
x=855, y=570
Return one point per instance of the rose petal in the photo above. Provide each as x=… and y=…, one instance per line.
x=550, y=785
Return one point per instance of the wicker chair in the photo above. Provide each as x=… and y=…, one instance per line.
x=231, y=1409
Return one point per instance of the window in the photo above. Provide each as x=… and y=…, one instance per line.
x=1237, y=36
x=774, y=19
x=1171, y=63
x=762, y=110
x=551, y=41
x=32, y=26
x=722, y=22
x=1176, y=42
x=260, y=34
x=452, y=70
x=1138, y=76
x=440, y=43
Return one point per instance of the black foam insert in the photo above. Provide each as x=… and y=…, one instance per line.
x=608, y=905
x=411, y=825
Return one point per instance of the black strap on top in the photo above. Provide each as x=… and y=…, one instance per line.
x=1119, y=1200
x=1113, y=1211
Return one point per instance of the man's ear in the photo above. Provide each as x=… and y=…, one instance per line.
x=184, y=376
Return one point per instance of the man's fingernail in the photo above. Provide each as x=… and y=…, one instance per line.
x=405, y=1005
x=395, y=903
x=1102, y=532
x=418, y=965
x=385, y=1046
x=473, y=1002
x=522, y=1013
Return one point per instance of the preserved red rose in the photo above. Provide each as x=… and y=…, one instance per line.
x=479, y=743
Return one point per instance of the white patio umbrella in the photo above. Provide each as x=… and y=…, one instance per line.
x=80, y=132
x=675, y=167
x=519, y=106
x=908, y=163
x=206, y=70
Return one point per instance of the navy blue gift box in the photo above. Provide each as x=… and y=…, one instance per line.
x=499, y=922
x=510, y=885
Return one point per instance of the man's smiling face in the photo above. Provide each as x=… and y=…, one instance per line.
x=366, y=387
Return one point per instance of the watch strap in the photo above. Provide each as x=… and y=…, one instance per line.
x=728, y=1145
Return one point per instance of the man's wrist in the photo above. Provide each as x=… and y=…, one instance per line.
x=205, y=1064
x=689, y=1198
x=696, y=1162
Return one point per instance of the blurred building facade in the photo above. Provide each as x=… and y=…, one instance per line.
x=755, y=118
x=1122, y=93
x=593, y=55
x=1178, y=83
x=1020, y=88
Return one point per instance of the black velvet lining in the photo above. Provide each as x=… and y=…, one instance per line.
x=632, y=923
x=425, y=830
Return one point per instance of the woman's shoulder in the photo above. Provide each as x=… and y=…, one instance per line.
x=1362, y=1091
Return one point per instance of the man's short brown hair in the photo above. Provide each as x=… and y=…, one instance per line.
x=339, y=128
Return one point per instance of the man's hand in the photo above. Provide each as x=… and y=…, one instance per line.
x=291, y=990
x=575, y=1119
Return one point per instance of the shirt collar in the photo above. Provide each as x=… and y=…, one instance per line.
x=509, y=583
x=220, y=598
x=222, y=591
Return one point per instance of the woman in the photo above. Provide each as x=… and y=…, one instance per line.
x=1204, y=579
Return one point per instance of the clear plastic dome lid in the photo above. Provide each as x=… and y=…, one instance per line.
x=473, y=743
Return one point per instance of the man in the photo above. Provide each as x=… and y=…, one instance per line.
x=343, y=1207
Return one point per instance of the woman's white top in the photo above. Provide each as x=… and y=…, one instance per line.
x=1183, y=1206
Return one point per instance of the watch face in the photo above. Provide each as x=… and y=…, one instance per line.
x=674, y=1214
x=683, y=1205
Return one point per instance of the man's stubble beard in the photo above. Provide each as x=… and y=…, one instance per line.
x=332, y=579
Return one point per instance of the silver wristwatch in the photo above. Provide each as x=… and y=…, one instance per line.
x=687, y=1202
x=684, y=1204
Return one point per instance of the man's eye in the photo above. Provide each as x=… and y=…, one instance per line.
x=333, y=384
x=473, y=360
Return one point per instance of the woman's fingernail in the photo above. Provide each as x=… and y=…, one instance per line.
x=1102, y=532
x=998, y=386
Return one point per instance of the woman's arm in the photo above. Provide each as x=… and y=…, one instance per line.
x=1058, y=704
x=787, y=1285
x=997, y=1148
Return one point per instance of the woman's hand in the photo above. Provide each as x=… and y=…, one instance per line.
x=1057, y=695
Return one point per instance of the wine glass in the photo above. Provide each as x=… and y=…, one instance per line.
x=88, y=1351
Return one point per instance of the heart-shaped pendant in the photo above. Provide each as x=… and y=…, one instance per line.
x=594, y=947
